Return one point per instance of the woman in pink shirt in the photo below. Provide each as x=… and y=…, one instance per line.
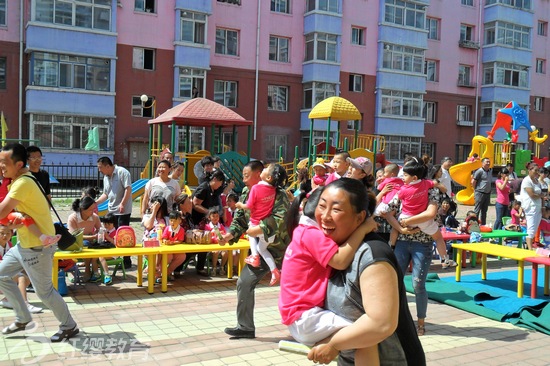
x=503, y=198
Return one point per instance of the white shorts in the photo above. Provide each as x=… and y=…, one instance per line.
x=381, y=209
x=429, y=227
x=315, y=325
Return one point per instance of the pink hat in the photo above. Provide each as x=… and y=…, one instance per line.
x=361, y=163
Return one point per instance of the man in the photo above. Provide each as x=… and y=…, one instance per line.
x=206, y=196
x=274, y=228
x=25, y=196
x=117, y=188
x=207, y=164
x=481, y=182
x=34, y=156
x=445, y=179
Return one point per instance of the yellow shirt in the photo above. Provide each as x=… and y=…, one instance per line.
x=33, y=203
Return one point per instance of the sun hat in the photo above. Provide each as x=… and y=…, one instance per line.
x=361, y=163
x=319, y=162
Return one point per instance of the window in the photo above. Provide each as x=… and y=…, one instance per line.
x=466, y=32
x=3, y=73
x=429, y=113
x=539, y=104
x=2, y=12
x=405, y=13
x=69, y=132
x=507, y=74
x=402, y=104
x=397, y=146
x=330, y=6
x=227, y=42
x=403, y=58
x=143, y=58
x=467, y=2
x=356, y=83
x=142, y=109
x=193, y=27
x=277, y=98
x=93, y=14
x=236, y=2
x=280, y=6
x=191, y=83
x=463, y=113
x=430, y=70
x=278, y=49
x=541, y=66
x=542, y=28
x=358, y=36
x=464, y=75
x=146, y=6
x=522, y=4
x=321, y=46
x=225, y=93
x=316, y=92
x=508, y=34
x=432, y=25
x=351, y=125
x=275, y=144
x=76, y=72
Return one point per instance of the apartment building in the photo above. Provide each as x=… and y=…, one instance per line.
x=426, y=75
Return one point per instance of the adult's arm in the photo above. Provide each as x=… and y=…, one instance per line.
x=380, y=295
x=7, y=206
x=501, y=183
x=72, y=223
x=127, y=196
x=240, y=221
x=101, y=198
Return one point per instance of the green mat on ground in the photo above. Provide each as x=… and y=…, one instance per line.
x=522, y=312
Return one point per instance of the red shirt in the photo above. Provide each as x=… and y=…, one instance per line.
x=260, y=201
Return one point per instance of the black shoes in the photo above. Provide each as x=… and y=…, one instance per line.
x=237, y=333
x=14, y=327
x=63, y=334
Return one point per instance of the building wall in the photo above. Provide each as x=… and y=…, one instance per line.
x=9, y=97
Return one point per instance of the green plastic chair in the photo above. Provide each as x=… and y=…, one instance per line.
x=506, y=220
x=118, y=263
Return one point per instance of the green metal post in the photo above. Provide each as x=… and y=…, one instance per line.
x=234, y=139
x=296, y=157
x=338, y=136
x=346, y=144
x=310, y=148
x=374, y=148
x=173, y=138
x=327, y=141
x=355, y=133
x=220, y=144
x=151, y=130
x=160, y=138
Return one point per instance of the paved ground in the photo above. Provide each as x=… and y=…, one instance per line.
x=123, y=325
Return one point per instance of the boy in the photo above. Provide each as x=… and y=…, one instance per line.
x=215, y=228
x=340, y=165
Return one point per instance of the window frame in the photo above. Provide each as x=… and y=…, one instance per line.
x=321, y=41
x=317, y=91
x=465, y=73
x=194, y=78
x=199, y=27
x=463, y=113
x=275, y=105
x=140, y=63
x=279, y=54
x=3, y=73
x=429, y=112
x=467, y=2
x=408, y=104
x=466, y=32
x=277, y=5
x=540, y=66
x=272, y=144
x=356, y=83
x=435, y=66
x=98, y=15
x=542, y=28
x=145, y=108
x=401, y=13
x=224, y=46
x=432, y=23
x=395, y=58
x=229, y=87
x=3, y=13
x=358, y=35
x=538, y=104
x=145, y=5
x=315, y=5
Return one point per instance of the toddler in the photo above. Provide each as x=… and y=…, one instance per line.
x=16, y=218
x=107, y=234
x=216, y=230
x=320, y=176
x=544, y=226
x=260, y=203
x=340, y=165
x=518, y=216
x=173, y=233
x=390, y=177
x=414, y=200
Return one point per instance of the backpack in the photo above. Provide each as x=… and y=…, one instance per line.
x=125, y=237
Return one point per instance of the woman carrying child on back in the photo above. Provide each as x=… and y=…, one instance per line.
x=260, y=203
x=414, y=200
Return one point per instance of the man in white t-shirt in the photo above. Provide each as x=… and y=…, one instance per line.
x=445, y=179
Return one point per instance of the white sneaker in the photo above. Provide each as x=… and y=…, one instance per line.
x=6, y=304
x=34, y=309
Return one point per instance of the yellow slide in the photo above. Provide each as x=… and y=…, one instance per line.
x=462, y=173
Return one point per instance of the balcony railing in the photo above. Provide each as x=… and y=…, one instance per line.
x=466, y=83
x=464, y=43
x=465, y=123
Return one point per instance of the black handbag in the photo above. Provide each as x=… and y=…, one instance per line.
x=67, y=239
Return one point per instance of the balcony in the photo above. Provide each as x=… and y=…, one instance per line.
x=465, y=123
x=466, y=83
x=464, y=43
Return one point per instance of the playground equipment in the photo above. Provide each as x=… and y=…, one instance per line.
x=462, y=173
x=138, y=188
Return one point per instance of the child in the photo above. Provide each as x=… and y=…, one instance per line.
x=320, y=176
x=216, y=228
x=414, y=200
x=518, y=216
x=544, y=226
x=172, y=234
x=474, y=157
x=260, y=203
x=231, y=202
x=16, y=218
x=311, y=254
x=340, y=165
x=390, y=177
x=91, y=192
x=107, y=233
x=445, y=215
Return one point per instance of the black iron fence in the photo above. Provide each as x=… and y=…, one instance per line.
x=67, y=181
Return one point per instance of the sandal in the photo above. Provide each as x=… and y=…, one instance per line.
x=420, y=330
x=14, y=327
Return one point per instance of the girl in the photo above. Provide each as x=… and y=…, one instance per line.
x=173, y=234
x=518, y=217
x=260, y=203
x=216, y=229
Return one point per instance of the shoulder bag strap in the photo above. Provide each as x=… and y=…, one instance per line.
x=45, y=196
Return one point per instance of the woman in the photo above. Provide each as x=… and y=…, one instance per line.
x=503, y=197
x=531, y=202
x=84, y=218
x=162, y=185
x=370, y=292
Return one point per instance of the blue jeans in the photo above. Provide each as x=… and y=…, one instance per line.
x=501, y=211
x=421, y=256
